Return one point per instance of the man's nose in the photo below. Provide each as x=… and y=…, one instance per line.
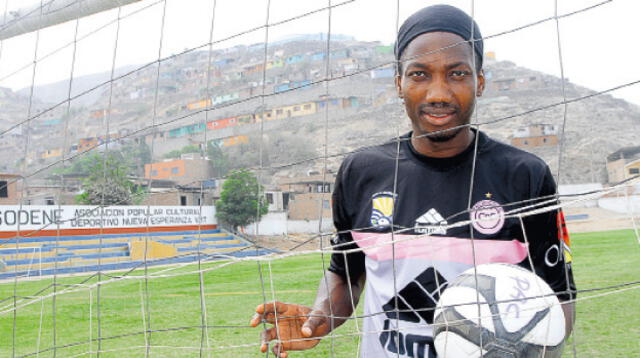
x=439, y=92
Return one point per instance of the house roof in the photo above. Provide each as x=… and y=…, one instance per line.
x=8, y=175
x=329, y=178
x=626, y=152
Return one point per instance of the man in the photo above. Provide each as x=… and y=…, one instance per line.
x=414, y=193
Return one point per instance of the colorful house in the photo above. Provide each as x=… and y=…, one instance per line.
x=222, y=123
x=275, y=64
x=283, y=87
x=296, y=110
x=187, y=130
x=98, y=114
x=199, y=104
x=85, y=144
x=218, y=100
x=51, y=153
x=318, y=56
x=255, y=68
x=339, y=54
x=294, y=59
x=183, y=171
x=235, y=140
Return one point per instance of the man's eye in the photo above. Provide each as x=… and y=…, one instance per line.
x=417, y=74
x=459, y=73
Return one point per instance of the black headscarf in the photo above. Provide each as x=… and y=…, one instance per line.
x=444, y=18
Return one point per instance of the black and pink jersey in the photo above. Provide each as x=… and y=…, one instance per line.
x=438, y=227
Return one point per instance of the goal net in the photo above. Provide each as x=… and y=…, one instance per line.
x=167, y=166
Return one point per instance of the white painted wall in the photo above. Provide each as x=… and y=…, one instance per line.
x=625, y=205
x=278, y=224
x=577, y=189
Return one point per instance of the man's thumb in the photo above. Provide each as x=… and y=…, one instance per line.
x=309, y=327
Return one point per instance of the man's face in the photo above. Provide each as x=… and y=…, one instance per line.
x=439, y=84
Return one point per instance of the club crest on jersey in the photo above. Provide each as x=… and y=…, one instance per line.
x=487, y=217
x=382, y=209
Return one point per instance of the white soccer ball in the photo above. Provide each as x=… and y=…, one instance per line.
x=512, y=314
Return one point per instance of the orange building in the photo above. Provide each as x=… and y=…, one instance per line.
x=222, y=123
x=199, y=104
x=235, y=140
x=188, y=170
x=85, y=144
x=99, y=113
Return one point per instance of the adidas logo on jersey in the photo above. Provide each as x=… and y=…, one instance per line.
x=431, y=223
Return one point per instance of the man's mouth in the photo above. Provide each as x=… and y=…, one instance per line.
x=437, y=118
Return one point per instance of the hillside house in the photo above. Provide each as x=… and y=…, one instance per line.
x=294, y=59
x=623, y=164
x=190, y=168
x=51, y=153
x=9, y=194
x=535, y=135
x=307, y=196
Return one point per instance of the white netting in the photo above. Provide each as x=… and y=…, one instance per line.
x=278, y=88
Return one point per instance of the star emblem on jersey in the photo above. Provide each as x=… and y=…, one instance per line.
x=487, y=217
x=382, y=209
x=431, y=223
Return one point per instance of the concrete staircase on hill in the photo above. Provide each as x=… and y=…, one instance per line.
x=48, y=255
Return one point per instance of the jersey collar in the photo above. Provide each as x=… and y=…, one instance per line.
x=450, y=162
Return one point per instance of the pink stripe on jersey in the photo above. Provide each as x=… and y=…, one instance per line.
x=377, y=246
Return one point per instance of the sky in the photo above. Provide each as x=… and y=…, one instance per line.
x=598, y=48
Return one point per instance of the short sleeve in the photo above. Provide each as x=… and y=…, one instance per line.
x=549, y=243
x=343, y=264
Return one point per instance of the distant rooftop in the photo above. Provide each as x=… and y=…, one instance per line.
x=626, y=152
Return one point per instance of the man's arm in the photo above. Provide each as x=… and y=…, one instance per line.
x=334, y=304
x=569, y=309
x=300, y=327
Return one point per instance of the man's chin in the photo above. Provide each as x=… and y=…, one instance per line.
x=443, y=136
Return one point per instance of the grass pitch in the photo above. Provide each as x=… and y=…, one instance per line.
x=112, y=317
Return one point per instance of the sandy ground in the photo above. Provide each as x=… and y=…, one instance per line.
x=599, y=220
x=294, y=242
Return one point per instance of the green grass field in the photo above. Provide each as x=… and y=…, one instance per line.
x=607, y=326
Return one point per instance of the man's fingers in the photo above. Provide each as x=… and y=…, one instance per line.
x=270, y=307
x=272, y=310
x=255, y=320
x=279, y=351
x=265, y=337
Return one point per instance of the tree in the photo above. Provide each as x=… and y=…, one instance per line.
x=219, y=160
x=174, y=154
x=107, y=181
x=241, y=202
x=139, y=155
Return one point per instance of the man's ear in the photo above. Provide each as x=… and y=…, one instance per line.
x=399, y=86
x=480, y=83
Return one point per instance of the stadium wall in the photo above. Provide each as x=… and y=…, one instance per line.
x=70, y=220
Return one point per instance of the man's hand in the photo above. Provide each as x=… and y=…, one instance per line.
x=298, y=327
